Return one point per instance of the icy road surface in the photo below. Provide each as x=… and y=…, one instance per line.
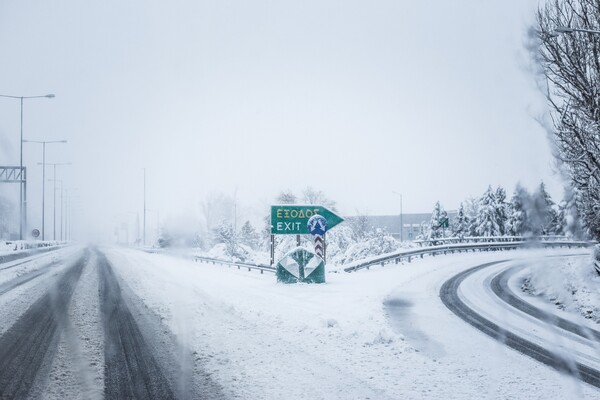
x=119, y=323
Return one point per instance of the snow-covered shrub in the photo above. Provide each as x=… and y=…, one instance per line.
x=248, y=236
x=338, y=241
x=375, y=243
x=224, y=234
x=570, y=284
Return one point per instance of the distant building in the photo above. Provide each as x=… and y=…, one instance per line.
x=413, y=224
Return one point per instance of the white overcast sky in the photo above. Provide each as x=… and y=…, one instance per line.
x=433, y=99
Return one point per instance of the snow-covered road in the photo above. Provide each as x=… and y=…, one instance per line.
x=482, y=297
x=213, y=332
x=374, y=334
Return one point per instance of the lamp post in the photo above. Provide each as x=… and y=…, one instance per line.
x=22, y=193
x=43, y=143
x=401, y=222
x=54, y=195
x=565, y=29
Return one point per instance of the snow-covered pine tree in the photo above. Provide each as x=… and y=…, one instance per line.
x=435, y=229
x=471, y=211
x=543, y=214
x=487, y=219
x=248, y=236
x=501, y=209
x=460, y=226
x=517, y=223
x=572, y=222
x=561, y=219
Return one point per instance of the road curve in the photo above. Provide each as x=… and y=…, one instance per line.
x=499, y=286
x=451, y=299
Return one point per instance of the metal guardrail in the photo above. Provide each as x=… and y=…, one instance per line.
x=408, y=255
x=239, y=265
x=16, y=245
x=488, y=239
x=214, y=261
x=15, y=255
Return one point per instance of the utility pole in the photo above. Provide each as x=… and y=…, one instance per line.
x=23, y=186
x=43, y=143
x=54, y=198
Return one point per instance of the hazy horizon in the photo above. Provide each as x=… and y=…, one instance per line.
x=434, y=101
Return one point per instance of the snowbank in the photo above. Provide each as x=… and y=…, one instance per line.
x=10, y=246
x=572, y=285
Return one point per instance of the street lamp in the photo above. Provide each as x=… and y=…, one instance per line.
x=54, y=195
x=565, y=29
x=43, y=143
x=22, y=198
x=401, y=223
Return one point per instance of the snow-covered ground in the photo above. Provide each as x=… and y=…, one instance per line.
x=43, y=270
x=343, y=247
x=378, y=334
x=572, y=286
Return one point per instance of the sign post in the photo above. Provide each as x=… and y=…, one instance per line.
x=317, y=225
x=292, y=219
x=301, y=265
x=272, y=249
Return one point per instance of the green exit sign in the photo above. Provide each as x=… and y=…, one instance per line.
x=293, y=219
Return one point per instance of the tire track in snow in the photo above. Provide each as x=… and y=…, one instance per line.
x=12, y=257
x=130, y=369
x=451, y=299
x=499, y=285
x=21, y=280
x=25, y=346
